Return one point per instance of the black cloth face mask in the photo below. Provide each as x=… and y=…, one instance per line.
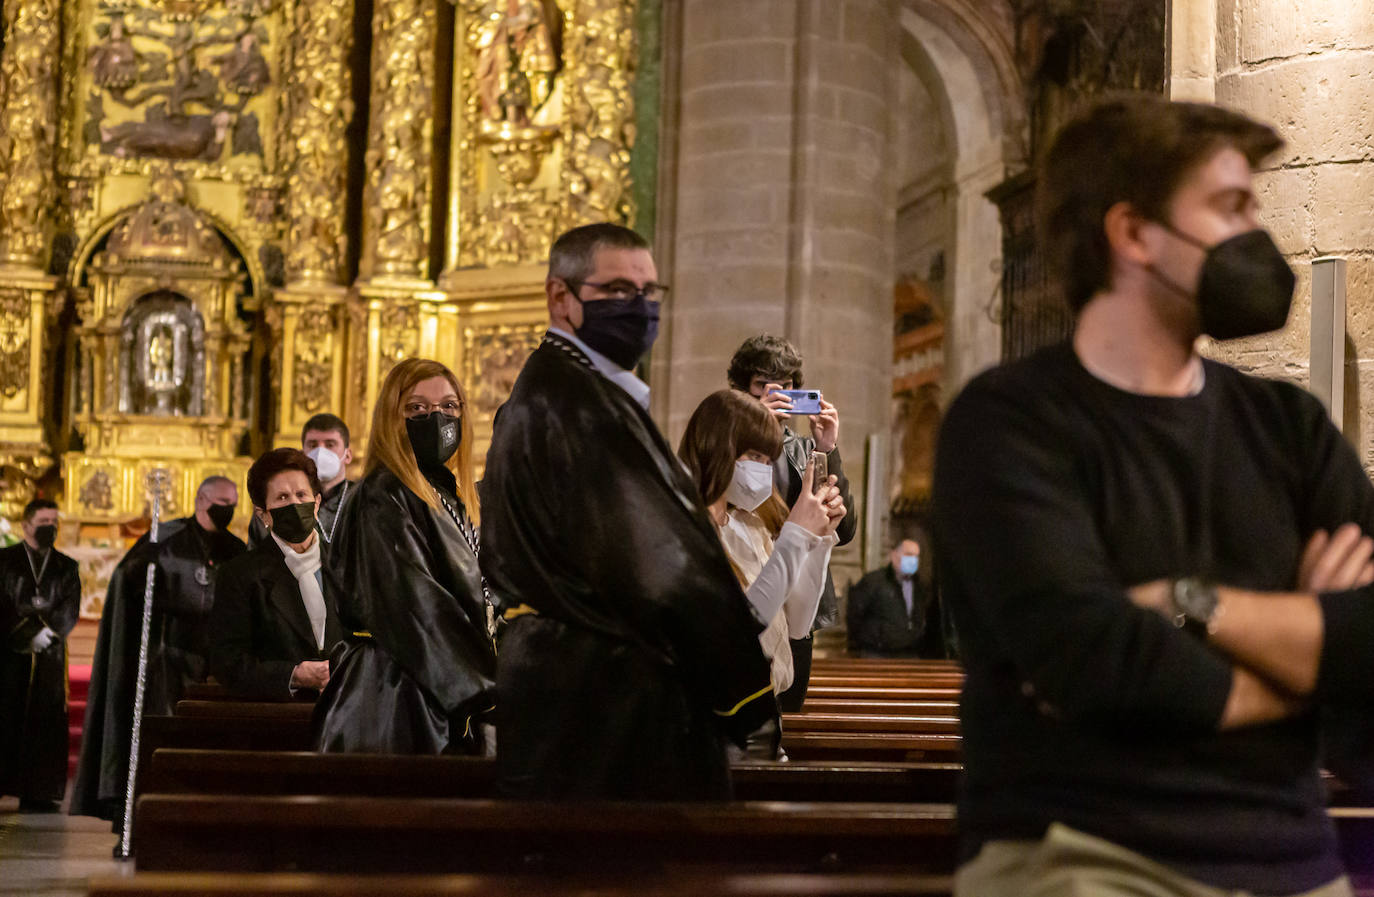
x=433, y=438
x=294, y=523
x=220, y=515
x=621, y=329
x=45, y=535
x=1245, y=286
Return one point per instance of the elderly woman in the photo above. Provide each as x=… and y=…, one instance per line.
x=271, y=628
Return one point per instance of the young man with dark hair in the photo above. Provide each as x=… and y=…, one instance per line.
x=188, y=554
x=1133, y=722
x=760, y=366
x=40, y=597
x=631, y=647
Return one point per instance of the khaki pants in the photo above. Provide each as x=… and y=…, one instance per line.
x=1069, y=863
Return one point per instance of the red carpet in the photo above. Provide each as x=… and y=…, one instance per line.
x=78, y=687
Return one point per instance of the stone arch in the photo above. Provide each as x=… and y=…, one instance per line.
x=964, y=59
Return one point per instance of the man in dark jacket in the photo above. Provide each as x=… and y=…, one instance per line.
x=40, y=595
x=890, y=613
x=760, y=367
x=631, y=648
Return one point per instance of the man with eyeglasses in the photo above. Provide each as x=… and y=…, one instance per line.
x=630, y=645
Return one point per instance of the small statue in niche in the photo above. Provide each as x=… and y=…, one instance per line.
x=517, y=58
x=114, y=61
x=97, y=494
x=160, y=359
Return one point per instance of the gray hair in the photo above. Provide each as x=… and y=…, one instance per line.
x=574, y=252
x=210, y=481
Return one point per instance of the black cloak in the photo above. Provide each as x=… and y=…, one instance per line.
x=183, y=592
x=415, y=672
x=641, y=650
x=33, y=685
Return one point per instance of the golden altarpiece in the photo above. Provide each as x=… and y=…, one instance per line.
x=220, y=217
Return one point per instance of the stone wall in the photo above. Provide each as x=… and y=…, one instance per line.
x=1303, y=66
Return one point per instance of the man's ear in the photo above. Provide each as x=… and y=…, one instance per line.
x=347, y=457
x=1124, y=227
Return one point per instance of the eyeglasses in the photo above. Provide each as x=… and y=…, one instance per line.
x=623, y=289
x=421, y=409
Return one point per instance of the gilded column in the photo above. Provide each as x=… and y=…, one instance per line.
x=28, y=128
x=308, y=316
x=397, y=198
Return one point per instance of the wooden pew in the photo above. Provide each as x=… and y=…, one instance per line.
x=389, y=835
x=261, y=884
x=281, y=772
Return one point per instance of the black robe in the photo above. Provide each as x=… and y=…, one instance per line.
x=415, y=672
x=33, y=685
x=183, y=592
x=643, y=650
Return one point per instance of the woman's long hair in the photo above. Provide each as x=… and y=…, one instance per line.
x=725, y=425
x=389, y=445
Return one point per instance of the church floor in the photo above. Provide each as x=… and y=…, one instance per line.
x=53, y=854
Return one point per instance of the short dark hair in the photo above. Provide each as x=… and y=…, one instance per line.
x=574, y=252
x=38, y=504
x=273, y=463
x=1134, y=148
x=326, y=423
x=768, y=356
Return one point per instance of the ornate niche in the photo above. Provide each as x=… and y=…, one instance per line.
x=161, y=376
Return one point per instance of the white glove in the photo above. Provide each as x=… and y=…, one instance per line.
x=42, y=640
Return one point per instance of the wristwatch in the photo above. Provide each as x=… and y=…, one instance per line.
x=1195, y=605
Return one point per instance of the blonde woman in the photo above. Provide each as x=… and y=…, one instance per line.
x=416, y=670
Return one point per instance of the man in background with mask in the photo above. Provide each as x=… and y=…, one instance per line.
x=889, y=612
x=40, y=596
x=1154, y=561
x=630, y=647
x=188, y=554
x=324, y=439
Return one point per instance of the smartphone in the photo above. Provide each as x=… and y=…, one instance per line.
x=804, y=401
x=820, y=473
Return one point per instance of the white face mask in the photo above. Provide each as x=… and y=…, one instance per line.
x=751, y=485
x=327, y=464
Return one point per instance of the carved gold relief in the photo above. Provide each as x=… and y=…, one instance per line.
x=16, y=325
x=313, y=366
x=493, y=357
x=28, y=129
x=396, y=236
x=399, y=336
x=543, y=125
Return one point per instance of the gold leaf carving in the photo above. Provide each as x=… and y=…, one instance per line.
x=493, y=359
x=16, y=325
x=27, y=130
x=312, y=366
x=399, y=336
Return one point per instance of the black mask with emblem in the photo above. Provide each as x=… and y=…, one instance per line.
x=433, y=438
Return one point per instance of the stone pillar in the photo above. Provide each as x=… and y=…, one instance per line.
x=1303, y=66
x=785, y=203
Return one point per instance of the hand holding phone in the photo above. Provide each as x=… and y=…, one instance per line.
x=804, y=401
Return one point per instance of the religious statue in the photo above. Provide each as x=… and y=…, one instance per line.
x=114, y=61
x=516, y=59
x=244, y=69
x=172, y=137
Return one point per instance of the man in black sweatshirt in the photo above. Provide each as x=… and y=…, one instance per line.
x=1143, y=549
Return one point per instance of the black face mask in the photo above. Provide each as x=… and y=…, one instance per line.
x=294, y=523
x=433, y=438
x=45, y=535
x=1245, y=286
x=621, y=329
x=220, y=515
